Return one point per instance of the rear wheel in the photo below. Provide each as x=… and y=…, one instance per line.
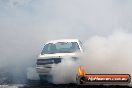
x=81, y=80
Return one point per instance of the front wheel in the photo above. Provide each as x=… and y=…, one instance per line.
x=45, y=79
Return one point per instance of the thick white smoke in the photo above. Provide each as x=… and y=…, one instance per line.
x=102, y=55
x=25, y=25
x=15, y=3
x=111, y=54
x=64, y=72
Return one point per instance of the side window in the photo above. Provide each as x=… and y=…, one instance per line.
x=75, y=45
x=52, y=47
x=46, y=48
x=81, y=44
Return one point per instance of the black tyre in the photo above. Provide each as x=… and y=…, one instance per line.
x=43, y=78
x=82, y=80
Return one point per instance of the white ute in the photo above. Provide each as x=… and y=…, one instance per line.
x=52, y=54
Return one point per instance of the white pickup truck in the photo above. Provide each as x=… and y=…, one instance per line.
x=53, y=52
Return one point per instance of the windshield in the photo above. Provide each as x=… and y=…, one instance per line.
x=60, y=47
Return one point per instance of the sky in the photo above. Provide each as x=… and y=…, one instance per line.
x=25, y=25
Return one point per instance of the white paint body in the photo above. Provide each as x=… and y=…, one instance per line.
x=46, y=68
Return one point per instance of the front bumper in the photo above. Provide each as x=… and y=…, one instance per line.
x=44, y=69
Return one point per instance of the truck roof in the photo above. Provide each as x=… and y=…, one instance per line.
x=63, y=40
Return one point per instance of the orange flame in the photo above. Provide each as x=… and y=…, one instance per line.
x=81, y=71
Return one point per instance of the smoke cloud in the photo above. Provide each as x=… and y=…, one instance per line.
x=111, y=54
x=64, y=72
x=25, y=25
x=14, y=3
x=102, y=55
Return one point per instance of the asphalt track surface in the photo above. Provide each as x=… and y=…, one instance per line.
x=73, y=86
